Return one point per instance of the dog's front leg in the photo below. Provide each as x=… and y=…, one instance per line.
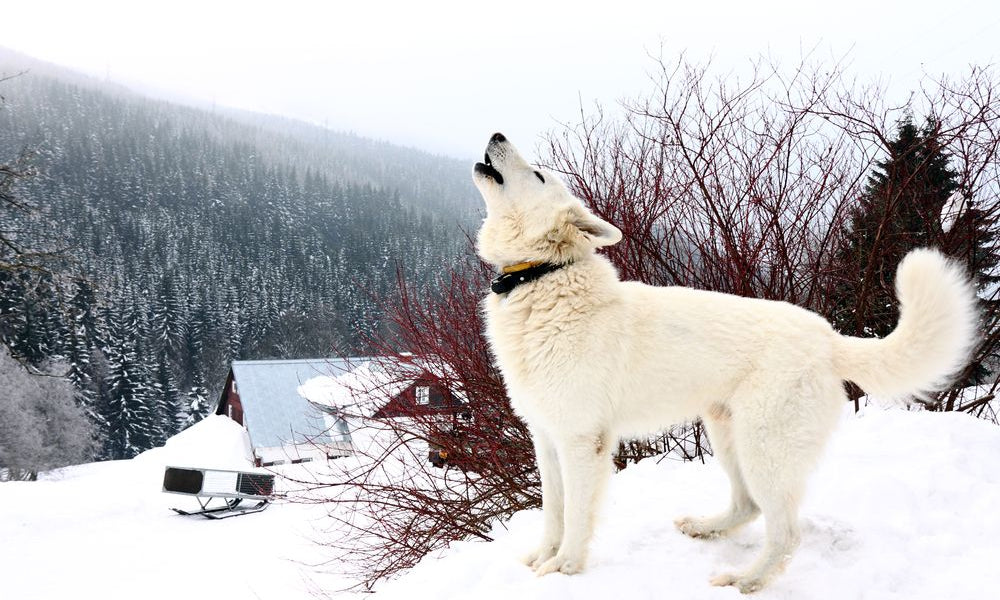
x=552, y=501
x=586, y=467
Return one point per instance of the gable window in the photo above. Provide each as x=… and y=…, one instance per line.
x=423, y=395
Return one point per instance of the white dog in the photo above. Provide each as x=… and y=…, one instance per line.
x=588, y=359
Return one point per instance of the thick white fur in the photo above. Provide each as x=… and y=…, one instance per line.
x=588, y=359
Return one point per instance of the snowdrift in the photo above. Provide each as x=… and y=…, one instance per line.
x=216, y=442
x=903, y=506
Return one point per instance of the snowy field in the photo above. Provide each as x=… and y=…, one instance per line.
x=903, y=506
x=105, y=531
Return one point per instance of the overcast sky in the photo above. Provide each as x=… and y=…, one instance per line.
x=443, y=76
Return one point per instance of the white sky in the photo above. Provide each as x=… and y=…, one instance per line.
x=443, y=76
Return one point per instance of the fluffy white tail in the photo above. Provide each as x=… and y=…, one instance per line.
x=937, y=330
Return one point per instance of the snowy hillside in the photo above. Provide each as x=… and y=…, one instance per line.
x=903, y=506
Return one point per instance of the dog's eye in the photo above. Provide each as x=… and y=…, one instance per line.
x=539, y=176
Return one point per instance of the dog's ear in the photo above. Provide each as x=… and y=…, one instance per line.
x=598, y=231
x=577, y=231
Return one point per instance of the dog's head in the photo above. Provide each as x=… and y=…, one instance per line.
x=530, y=215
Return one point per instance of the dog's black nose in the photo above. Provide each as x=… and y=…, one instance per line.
x=497, y=138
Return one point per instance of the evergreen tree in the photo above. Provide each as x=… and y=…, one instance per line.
x=30, y=316
x=83, y=314
x=193, y=344
x=166, y=400
x=197, y=403
x=81, y=342
x=972, y=238
x=166, y=341
x=128, y=412
x=13, y=319
x=166, y=321
x=194, y=403
x=901, y=209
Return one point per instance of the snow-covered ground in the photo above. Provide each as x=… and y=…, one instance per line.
x=903, y=506
x=106, y=531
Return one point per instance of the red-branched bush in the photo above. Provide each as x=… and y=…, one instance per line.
x=392, y=505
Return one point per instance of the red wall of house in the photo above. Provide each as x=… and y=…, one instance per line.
x=405, y=404
x=231, y=406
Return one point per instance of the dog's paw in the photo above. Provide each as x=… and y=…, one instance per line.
x=744, y=584
x=697, y=528
x=561, y=564
x=538, y=557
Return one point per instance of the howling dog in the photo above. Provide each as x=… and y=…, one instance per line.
x=588, y=359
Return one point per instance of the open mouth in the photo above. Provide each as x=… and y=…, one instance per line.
x=486, y=169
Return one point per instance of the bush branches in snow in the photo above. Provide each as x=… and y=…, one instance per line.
x=393, y=504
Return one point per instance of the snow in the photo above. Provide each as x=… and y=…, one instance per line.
x=365, y=388
x=105, y=530
x=360, y=391
x=952, y=209
x=332, y=391
x=903, y=506
x=217, y=442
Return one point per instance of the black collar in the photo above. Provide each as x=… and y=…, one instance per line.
x=510, y=279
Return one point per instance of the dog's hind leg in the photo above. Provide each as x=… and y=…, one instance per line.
x=552, y=501
x=777, y=441
x=778, y=496
x=742, y=508
x=586, y=468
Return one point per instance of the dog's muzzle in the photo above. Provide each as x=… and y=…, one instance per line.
x=486, y=169
x=498, y=145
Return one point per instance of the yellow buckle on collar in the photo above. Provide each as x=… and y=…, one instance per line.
x=520, y=267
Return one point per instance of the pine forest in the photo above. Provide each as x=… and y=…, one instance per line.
x=153, y=243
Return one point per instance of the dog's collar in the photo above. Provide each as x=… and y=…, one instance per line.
x=515, y=275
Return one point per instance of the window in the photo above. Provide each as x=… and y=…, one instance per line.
x=423, y=395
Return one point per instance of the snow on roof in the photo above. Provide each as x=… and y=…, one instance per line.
x=360, y=390
x=274, y=413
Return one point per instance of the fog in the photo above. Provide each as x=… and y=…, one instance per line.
x=443, y=76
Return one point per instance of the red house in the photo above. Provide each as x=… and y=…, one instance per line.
x=424, y=396
x=301, y=410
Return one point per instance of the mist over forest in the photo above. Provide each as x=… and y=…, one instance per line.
x=171, y=240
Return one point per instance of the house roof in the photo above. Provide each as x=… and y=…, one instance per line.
x=274, y=412
x=363, y=388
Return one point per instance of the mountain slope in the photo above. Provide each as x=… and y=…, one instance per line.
x=193, y=238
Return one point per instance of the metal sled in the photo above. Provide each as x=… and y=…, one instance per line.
x=231, y=487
